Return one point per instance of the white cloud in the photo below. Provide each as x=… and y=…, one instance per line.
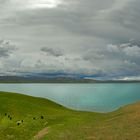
x=132, y=51
x=131, y=78
x=6, y=48
x=112, y=48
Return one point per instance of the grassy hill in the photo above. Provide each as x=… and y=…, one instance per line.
x=45, y=120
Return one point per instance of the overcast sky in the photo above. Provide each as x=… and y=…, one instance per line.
x=75, y=36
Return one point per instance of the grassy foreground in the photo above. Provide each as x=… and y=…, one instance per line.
x=59, y=123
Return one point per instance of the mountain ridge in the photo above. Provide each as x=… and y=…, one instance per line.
x=61, y=79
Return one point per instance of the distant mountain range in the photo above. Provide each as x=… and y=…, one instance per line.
x=19, y=79
x=56, y=78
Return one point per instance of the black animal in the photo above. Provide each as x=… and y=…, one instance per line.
x=18, y=124
x=5, y=114
x=42, y=117
x=22, y=121
x=34, y=118
x=10, y=118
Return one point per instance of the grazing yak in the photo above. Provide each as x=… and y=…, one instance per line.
x=34, y=118
x=19, y=122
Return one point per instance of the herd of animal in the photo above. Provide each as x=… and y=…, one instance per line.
x=21, y=121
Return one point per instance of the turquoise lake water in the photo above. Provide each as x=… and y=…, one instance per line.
x=86, y=97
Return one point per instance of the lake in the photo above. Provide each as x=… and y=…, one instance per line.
x=85, y=97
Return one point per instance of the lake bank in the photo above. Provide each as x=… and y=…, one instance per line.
x=84, y=97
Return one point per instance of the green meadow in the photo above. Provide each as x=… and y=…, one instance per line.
x=29, y=118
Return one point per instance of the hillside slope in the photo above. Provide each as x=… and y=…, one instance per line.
x=29, y=118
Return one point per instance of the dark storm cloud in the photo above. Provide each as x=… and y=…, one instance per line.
x=51, y=51
x=96, y=36
x=89, y=18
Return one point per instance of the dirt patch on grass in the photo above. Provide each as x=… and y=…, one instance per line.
x=41, y=134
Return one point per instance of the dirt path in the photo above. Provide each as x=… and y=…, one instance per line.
x=41, y=134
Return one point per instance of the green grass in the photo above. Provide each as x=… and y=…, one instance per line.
x=62, y=123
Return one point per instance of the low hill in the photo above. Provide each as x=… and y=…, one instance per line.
x=29, y=118
x=44, y=79
x=34, y=79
